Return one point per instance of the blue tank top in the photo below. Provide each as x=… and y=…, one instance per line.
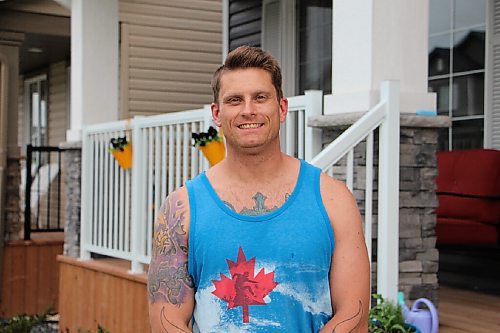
x=266, y=273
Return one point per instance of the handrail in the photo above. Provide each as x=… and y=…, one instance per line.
x=338, y=148
x=385, y=116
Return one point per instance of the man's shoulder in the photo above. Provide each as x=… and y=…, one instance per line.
x=332, y=188
x=179, y=194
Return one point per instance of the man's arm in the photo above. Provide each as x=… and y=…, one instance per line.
x=350, y=270
x=170, y=287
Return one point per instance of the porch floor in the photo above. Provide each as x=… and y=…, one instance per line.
x=465, y=311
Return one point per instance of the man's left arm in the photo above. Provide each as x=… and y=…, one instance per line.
x=350, y=269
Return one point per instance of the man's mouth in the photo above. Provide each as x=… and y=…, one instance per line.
x=248, y=126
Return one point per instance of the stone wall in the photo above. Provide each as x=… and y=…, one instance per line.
x=418, y=256
x=72, y=165
x=13, y=213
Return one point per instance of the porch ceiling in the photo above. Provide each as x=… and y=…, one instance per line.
x=46, y=29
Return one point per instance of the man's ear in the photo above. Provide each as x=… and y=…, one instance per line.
x=283, y=109
x=215, y=114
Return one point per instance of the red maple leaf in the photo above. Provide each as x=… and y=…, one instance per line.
x=244, y=288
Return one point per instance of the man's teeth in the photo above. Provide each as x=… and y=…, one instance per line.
x=249, y=126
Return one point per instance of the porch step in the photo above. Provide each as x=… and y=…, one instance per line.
x=470, y=267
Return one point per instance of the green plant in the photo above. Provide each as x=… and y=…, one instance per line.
x=23, y=323
x=118, y=144
x=387, y=317
x=203, y=138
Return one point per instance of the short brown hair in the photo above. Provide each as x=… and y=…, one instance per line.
x=249, y=57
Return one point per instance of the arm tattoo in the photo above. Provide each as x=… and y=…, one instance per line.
x=168, y=326
x=259, y=208
x=168, y=276
x=358, y=315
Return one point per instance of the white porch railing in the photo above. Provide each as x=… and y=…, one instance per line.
x=119, y=206
x=385, y=117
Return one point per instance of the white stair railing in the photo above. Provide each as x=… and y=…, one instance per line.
x=298, y=139
x=385, y=117
x=119, y=206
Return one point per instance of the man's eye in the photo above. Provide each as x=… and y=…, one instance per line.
x=233, y=100
x=261, y=98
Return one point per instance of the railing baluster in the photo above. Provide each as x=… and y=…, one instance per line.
x=350, y=169
x=300, y=134
x=193, y=153
x=157, y=173
x=164, y=180
x=178, y=144
x=171, y=165
x=150, y=194
x=185, y=152
x=116, y=187
x=369, y=194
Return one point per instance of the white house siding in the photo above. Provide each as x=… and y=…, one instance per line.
x=169, y=51
x=57, y=116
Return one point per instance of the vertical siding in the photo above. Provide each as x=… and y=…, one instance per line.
x=30, y=276
x=57, y=103
x=245, y=23
x=494, y=75
x=170, y=49
x=101, y=292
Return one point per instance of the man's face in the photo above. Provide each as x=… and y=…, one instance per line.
x=249, y=111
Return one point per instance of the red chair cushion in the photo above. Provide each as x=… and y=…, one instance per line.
x=469, y=208
x=473, y=172
x=457, y=231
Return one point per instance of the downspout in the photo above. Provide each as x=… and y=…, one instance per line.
x=4, y=77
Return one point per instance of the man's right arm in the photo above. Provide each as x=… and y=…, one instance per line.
x=170, y=287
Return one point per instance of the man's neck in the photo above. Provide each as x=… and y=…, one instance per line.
x=260, y=167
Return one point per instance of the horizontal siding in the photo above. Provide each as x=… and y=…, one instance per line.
x=245, y=23
x=172, y=76
x=170, y=50
x=57, y=104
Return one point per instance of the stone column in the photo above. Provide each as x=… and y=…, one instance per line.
x=72, y=176
x=418, y=256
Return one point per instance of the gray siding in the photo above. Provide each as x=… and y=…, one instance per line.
x=245, y=20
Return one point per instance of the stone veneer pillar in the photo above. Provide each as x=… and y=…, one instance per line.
x=13, y=213
x=418, y=256
x=72, y=176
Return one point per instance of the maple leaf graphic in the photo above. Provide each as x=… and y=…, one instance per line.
x=244, y=288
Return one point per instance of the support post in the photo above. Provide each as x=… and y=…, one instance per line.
x=138, y=194
x=388, y=204
x=314, y=107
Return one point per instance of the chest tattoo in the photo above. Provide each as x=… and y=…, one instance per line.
x=259, y=207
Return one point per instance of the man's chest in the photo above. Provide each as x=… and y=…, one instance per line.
x=255, y=201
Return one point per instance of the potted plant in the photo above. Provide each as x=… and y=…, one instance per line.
x=211, y=144
x=387, y=317
x=122, y=151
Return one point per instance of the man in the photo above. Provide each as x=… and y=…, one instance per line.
x=261, y=242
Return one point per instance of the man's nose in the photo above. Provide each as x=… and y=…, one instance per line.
x=248, y=108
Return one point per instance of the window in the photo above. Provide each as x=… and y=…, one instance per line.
x=36, y=110
x=456, y=69
x=314, y=18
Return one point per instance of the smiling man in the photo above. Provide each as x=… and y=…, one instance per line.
x=261, y=242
